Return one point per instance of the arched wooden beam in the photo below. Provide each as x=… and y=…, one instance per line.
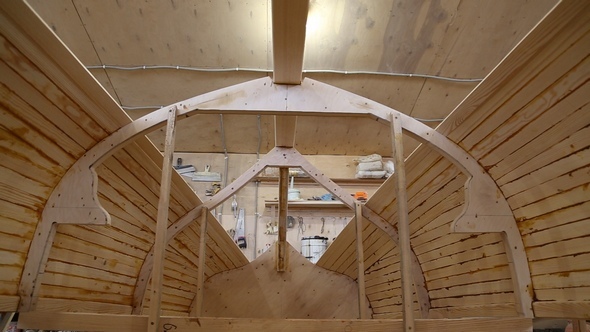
x=485, y=207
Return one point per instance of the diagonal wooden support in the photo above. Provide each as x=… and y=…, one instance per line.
x=403, y=224
x=160, y=242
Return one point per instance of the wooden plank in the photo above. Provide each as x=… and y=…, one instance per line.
x=552, y=187
x=69, y=305
x=285, y=130
x=70, y=270
x=562, y=309
x=544, y=128
x=403, y=222
x=560, y=162
x=281, y=262
x=162, y=224
x=8, y=303
x=562, y=280
x=86, y=283
x=28, y=33
x=288, y=35
x=480, y=299
x=554, y=218
x=492, y=310
x=465, y=255
x=197, y=305
x=525, y=60
x=107, y=323
x=557, y=234
x=483, y=275
x=360, y=260
x=467, y=267
x=562, y=200
x=53, y=120
x=524, y=107
x=563, y=294
x=489, y=287
x=517, y=167
x=82, y=294
x=561, y=264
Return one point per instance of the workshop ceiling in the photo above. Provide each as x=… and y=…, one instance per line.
x=404, y=54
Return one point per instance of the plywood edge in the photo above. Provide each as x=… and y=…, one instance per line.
x=562, y=309
x=71, y=321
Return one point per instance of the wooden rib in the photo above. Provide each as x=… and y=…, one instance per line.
x=162, y=223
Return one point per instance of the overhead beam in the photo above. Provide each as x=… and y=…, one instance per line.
x=285, y=131
x=289, y=18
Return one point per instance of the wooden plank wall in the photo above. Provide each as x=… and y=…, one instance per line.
x=51, y=112
x=532, y=134
x=527, y=124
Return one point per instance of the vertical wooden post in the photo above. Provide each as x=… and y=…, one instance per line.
x=579, y=325
x=162, y=224
x=403, y=222
x=360, y=259
x=6, y=319
x=197, y=309
x=281, y=244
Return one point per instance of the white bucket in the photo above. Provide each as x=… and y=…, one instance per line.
x=293, y=195
x=313, y=247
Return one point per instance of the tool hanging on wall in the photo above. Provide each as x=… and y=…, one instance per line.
x=239, y=236
x=206, y=176
x=234, y=208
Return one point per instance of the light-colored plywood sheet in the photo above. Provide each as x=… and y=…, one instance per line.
x=266, y=293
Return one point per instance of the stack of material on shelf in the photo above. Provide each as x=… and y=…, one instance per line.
x=370, y=167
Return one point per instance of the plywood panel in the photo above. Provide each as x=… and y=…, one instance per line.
x=263, y=292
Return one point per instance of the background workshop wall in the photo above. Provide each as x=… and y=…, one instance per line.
x=259, y=199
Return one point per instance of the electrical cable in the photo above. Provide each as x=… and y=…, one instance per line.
x=305, y=71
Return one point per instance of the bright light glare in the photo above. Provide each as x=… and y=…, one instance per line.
x=313, y=24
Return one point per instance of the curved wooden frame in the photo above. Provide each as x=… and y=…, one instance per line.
x=74, y=200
